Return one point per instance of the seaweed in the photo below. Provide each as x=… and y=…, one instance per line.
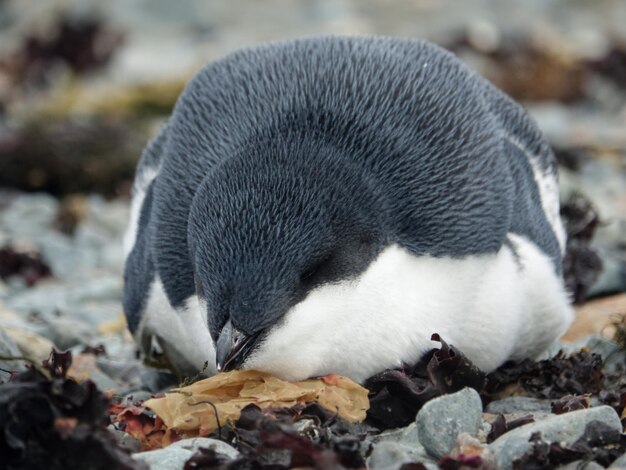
x=581, y=265
x=50, y=421
x=396, y=395
x=29, y=266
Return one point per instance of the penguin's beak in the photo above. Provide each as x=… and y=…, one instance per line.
x=233, y=347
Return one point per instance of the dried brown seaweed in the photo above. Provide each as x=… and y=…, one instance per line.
x=29, y=266
x=50, y=421
x=397, y=395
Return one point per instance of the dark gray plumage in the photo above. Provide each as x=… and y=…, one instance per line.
x=293, y=165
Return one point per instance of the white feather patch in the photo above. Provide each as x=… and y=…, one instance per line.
x=183, y=333
x=492, y=307
x=548, y=187
x=140, y=186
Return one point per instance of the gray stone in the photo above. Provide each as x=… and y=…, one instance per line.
x=390, y=455
x=196, y=443
x=95, y=313
x=170, y=458
x=28, y=214
x=68, y=332
x=518, y=404
x=157, y=380
x=136, y=395
x=104, y=382
x=485, y=429
x=60, y=254
x=581, y=465
x=175, y=456
x=612, y=279
x=406, y=437
x=102, y=288
x=442, y=419
x=46, y=299
x=118, y=347
x=128, y=373
x=565, y=429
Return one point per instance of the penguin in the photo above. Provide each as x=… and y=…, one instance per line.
x=324, y=205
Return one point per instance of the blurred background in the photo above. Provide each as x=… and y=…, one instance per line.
x=85, y=83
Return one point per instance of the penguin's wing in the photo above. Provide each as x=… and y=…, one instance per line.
x=147, y=169
x=139, y=269
x=521, y=132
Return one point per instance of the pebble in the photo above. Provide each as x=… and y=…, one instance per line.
x=581, y=465
x=165, y=459
x=518, y=404
x=157, y=380
x=406, y=439
x=126, y=372
x=196, y=443
x=67, y=332
x=135, y=396
x=27, y=214
x=442, y=419
x=118, y=347
x=406, y=435
x=176, y=455
x=390, y=455
x=565, y=429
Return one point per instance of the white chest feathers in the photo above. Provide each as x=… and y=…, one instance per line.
x=492, y=307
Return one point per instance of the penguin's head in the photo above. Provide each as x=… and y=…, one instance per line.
x=269, y=227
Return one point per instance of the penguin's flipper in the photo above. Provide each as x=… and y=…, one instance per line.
x=521, y=132
x=147, y=170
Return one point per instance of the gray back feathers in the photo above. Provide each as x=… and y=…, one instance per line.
x=430, y=139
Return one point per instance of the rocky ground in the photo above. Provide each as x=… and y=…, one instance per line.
x=74, y=119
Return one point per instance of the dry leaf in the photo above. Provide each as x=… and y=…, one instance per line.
x=192, y=410
x=135, y=420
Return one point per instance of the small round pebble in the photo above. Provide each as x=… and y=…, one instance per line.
x=165, y=459
x=390, y=455
x=442, y=419
x=196, y=443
